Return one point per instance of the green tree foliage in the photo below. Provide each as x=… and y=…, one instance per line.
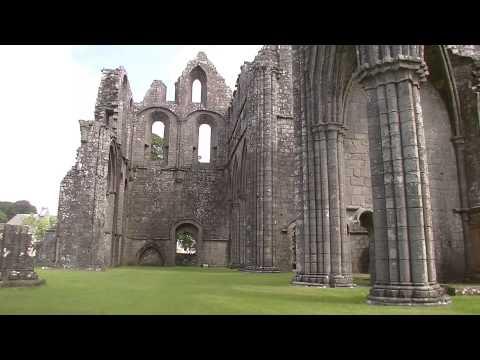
x=157, y=147
x=10, y=209
x=186, y=242
x=3, y=217
x=40, y=226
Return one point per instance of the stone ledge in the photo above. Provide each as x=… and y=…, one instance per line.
x=462, y=290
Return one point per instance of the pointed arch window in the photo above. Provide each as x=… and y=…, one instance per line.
x=204, y=142
x=197, y=91
x=158, y=141
x=198, y=82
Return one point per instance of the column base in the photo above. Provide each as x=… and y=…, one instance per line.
x=21, y=283
x=408, y=295
x=323, y=280
x=341, y=281
x=319, y=280
x=260, y=269
x=234, y=266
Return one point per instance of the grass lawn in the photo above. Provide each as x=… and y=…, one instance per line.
x=193, y=290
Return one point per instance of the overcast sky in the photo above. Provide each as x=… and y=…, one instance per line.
x=47, y=89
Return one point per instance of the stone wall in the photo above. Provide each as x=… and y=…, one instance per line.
x=164, y=194
x=46, y=249
x=90, y=212
x=261, y=156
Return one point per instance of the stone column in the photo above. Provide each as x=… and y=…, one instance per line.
x=473, y=164
x=404, y=255
x=265, y=236
x=459, y=146
x=323, y=251
x=326, y=248
x=235, y=261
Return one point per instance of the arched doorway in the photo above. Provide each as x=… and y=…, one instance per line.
x=150, y=255
x=187, y=238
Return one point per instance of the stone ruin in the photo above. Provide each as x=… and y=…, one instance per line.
x=17, y=257
x=333, y=159
x=45, y=249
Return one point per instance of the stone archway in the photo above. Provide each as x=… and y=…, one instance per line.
x=150, y=255
x=195, y=230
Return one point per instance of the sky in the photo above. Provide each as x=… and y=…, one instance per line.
x=47, y=89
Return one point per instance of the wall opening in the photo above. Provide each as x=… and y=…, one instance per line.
x=197, y=91
x=158, y=141
x=150, y=256
x=204, y=140
x=186, y=248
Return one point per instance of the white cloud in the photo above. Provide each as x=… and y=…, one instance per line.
x=226, y=58
x=43, y=94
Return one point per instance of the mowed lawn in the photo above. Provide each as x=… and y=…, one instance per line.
x=192, y=290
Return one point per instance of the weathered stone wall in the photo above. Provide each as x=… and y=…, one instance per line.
x=45, y=250
x=165, y=193
x=261, y=155
x=444, y=190
x=358, y=186
x=160, y=198
x=90, y=216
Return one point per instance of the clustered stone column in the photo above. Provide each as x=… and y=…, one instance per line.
x=264, y=242
x=472, y=148
x=323, y=251
x=404, y=254
x=234, y=241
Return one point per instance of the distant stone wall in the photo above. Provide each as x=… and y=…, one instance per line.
x=46, y=249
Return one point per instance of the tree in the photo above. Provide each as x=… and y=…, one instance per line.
x=39, y=226
x=19, y=207
x=3, y=217
x=24, y=207
x=186, y=242
x=157, y=147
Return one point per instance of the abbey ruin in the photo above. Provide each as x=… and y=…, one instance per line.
x=327, y=160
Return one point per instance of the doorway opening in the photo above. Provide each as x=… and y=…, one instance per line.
x=187, y=242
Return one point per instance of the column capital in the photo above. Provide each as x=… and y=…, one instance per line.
x=383, y=64
x=476, y=76
x=328, y=127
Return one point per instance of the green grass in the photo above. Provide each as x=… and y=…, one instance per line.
x=187, y=290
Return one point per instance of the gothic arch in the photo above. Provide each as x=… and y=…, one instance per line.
x=169, y=120
x=197, y=230
x=112, y=201
x=217, y=126
x=154, y=253
x=331, y=68
x=442, y=78
x=199, y=74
